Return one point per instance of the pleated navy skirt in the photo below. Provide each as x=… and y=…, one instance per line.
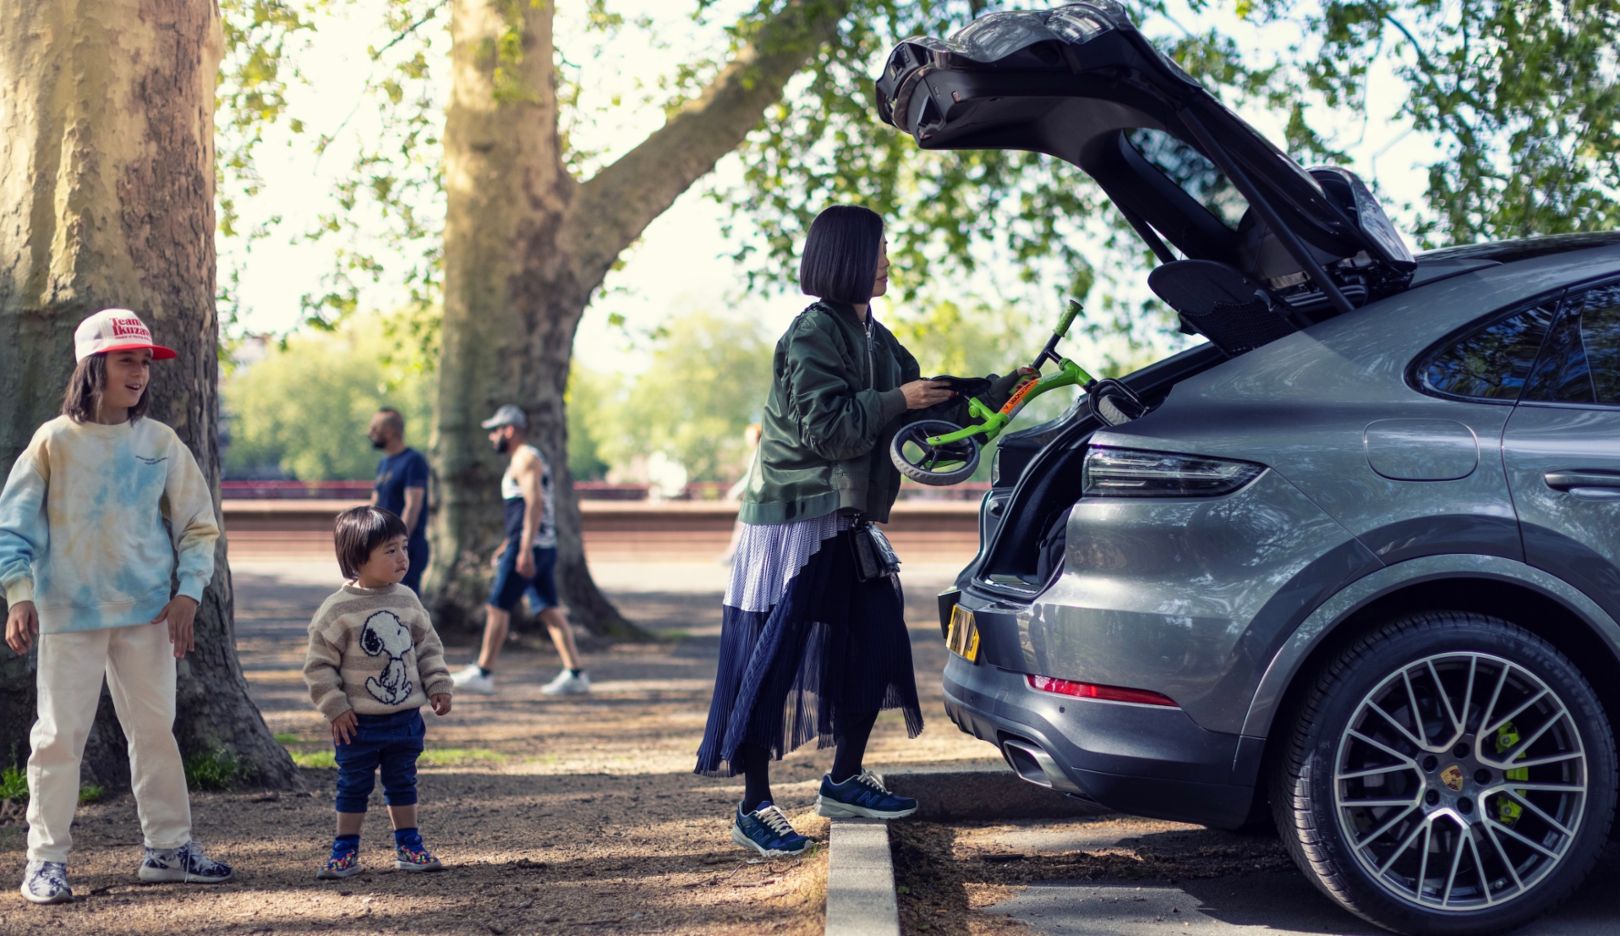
x=803, y=645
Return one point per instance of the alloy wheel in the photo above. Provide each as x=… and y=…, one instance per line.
x=1460, y=782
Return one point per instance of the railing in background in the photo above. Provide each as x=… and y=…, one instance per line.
x=586, y=490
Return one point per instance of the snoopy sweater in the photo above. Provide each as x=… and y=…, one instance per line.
x=373, y=650
x=97, y=520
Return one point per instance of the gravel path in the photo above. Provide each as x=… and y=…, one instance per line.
x=577, y=814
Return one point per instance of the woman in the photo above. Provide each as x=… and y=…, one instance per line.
x=807, y=649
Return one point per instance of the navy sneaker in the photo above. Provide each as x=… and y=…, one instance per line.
x=45, y=882
x=862, y=796
x=186, y=863
x=767, y=831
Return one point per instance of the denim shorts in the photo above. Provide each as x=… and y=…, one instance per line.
x=510, y=587
x=386, y=743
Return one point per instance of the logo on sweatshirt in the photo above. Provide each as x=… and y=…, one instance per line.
x=151, y=460
x=385, y=635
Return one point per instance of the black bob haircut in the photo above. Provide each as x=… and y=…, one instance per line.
x=359, y=530
x=840, y=254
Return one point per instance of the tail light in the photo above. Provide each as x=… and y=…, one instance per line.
x=1112, y=472
x=1084, y=690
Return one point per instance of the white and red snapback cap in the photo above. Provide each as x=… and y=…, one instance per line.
x=115, y=330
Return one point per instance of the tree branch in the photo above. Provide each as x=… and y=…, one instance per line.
x=614, y=207
x=432, y=11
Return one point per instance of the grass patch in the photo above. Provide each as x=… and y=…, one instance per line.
x=321, y=759
x=285, y=738
x=212, y=770
x=448, y=757
x=13, y=784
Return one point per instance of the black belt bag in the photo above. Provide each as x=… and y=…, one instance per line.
x=874, y=557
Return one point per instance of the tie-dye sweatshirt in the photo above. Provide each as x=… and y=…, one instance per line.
x=82, y=531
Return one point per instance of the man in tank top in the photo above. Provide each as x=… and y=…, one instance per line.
x=526, y=562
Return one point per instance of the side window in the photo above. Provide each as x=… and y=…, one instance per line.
x=1582, y=363
x=1491, y=362
x=1601, y=336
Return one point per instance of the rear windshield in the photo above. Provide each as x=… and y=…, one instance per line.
x=1192, y=172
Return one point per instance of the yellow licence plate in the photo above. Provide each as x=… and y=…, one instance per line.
x=962, y=635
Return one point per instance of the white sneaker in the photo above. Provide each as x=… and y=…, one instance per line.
x=45, y=882
x=567, y=683
x=472, y=679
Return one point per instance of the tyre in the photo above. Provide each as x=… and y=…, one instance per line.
x=924, y=462
x=1448, y=773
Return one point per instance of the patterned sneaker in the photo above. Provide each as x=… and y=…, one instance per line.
x=566, y=683
x=186, y=863
x=767, y=831
x=340, y=866
x=45, y=882
x=861, y=797
x=471, y=679
x=407, y=858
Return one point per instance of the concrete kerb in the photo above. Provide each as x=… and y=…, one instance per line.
x=861, y=898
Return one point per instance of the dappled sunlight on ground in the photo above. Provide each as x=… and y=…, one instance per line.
x=576, y=813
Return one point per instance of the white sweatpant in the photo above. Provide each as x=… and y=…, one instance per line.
x=140, y=667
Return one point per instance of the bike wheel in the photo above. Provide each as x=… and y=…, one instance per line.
x=926, y=463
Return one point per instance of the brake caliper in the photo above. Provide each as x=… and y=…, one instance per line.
x=1508, y=811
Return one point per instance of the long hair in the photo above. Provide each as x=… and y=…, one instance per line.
x=88, y=385
x=840, y=254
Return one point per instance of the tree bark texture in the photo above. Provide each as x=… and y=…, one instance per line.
x=107, y=199
x=526, y=245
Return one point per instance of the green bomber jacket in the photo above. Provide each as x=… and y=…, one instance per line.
x=834, y=406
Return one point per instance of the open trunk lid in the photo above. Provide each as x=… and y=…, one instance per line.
x=1252, y=245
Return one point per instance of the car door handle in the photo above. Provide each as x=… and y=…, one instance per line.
x=1590, y=482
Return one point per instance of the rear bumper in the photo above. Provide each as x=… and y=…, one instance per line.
x=1141, y=759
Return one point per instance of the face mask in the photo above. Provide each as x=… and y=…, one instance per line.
x=378, y=443
x=502, y=446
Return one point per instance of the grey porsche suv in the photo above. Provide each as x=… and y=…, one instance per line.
x=1357, y=567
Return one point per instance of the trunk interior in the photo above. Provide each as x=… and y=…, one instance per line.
x=1038, y=479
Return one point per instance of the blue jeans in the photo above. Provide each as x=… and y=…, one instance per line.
x=389, y=742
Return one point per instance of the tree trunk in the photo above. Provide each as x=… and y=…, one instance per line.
x=526, y=245
x=510, y=304
x=107, y=199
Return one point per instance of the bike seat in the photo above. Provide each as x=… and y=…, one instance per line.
x=965, y=386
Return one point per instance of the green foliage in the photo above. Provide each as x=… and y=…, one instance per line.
x=320, y=760
x=1519, y=96
x=212, y=770
x=591, y=400
x=13, y=784
x=285, y=738
x=14, y=787
x=456, y=756
x=707, y=381
x=304, y=408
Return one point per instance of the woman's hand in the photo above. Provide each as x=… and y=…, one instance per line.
x=921, y=394
x=22, y=623
x=525, y=562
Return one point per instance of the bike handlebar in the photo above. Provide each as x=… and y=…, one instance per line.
x=1069, y=315
x=1049, y=353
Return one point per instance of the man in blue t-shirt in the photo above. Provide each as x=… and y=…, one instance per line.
x=402, y=478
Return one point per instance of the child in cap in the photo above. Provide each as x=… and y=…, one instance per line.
x=373, y=662
x=85, y=565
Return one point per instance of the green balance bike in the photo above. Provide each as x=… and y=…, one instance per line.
x=936, y=451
